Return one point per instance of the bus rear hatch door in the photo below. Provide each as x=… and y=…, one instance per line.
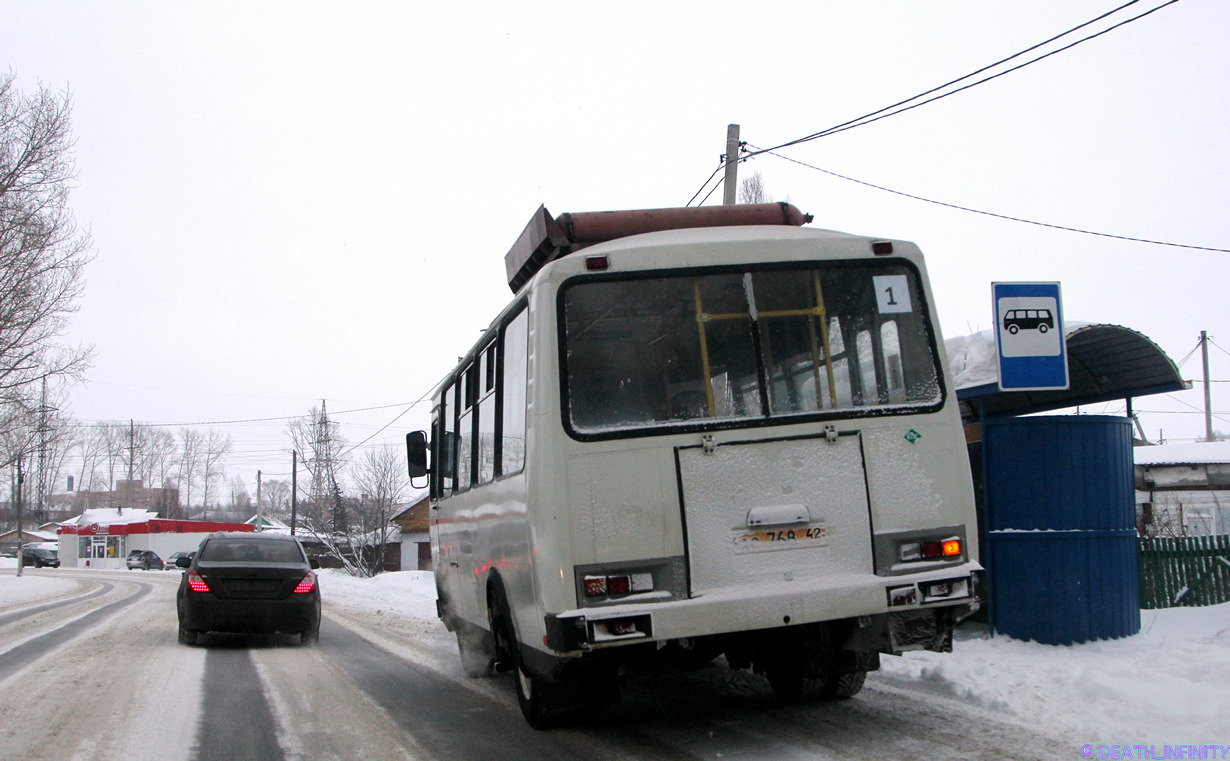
x=775, y=511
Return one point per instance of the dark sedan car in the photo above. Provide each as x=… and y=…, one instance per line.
x=39, y=557
x=248, y=583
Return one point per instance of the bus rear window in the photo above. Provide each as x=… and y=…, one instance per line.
x=729, y=347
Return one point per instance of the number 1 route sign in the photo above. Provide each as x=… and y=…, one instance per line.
x=1033, y=355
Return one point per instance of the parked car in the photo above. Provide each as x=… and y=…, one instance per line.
x=248, y=583
x=145, y=560
x=175, y=556
x=40, y=557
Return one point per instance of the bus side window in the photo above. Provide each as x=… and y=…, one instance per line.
x=512, y=388
x=465, y=428
x=442, y=445
x=485, y=404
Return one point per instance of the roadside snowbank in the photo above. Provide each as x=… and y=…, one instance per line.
x=30, y=587
x=1166, y=685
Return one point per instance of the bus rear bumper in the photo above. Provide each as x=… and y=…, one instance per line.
x=894, y=611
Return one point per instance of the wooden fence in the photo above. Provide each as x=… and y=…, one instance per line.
x=1190, y=570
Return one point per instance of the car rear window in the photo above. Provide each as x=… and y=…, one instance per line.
x=251, y=551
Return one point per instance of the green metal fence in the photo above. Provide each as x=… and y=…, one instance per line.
x=1190, y=570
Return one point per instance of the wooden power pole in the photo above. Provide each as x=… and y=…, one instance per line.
x=731, y=183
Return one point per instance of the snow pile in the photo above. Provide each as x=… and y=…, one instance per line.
x=1165, y=685
x=30, y=587
x=409, y=593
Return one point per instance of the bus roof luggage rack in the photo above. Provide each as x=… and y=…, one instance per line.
x=548, y=238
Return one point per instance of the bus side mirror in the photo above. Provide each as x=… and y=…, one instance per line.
x=416, y=454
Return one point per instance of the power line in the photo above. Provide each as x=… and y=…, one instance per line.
x=1022, y=220
x=250, y=420
x=901, y=107
x=705, y=184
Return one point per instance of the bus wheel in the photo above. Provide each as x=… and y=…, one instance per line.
x=534, y=698
x=842, y=686
x=791, y=685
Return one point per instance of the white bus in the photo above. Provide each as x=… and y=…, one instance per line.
x=730, y=439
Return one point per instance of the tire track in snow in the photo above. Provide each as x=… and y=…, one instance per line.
x=34, y=610
x=22, y=655
x=236, y=722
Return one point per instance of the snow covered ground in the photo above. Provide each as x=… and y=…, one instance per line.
x=31, y=587
x=1168, y=685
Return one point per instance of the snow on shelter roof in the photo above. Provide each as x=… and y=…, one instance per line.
x=1105, y=363
x=1210, y=453
x=110, y=516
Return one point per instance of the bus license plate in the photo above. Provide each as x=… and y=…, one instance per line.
x=780, y=539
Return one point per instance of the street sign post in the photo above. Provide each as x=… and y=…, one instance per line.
x=1029, y=335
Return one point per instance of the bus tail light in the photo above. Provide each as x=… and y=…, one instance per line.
x=931, y=549
x=616, y=585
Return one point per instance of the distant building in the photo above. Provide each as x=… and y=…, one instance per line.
x=128, y=495
x=103, y=537
x=415, y=540
x=8, y=539
x=1183, y=489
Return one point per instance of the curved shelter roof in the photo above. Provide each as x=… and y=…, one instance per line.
x=1105, y=363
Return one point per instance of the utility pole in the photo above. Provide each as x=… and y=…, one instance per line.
x=132, y=448
x=40, y=497
x=259, y=513
x=731, y=186
x=1208, y=395
x=294, y=489
x=17, y=504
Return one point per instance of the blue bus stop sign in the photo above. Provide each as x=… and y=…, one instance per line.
x=1029, y=335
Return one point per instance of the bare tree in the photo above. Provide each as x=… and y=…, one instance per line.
x=191, y=453
x=42, y=253
x=275, y=499
x=241, y=501
x=217, y=446
x=752, y=189
x=158, y=457
x=381, y=479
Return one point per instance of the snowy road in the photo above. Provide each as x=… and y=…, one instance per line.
x=94, y=671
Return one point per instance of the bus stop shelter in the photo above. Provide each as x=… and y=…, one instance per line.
x=1057, y=518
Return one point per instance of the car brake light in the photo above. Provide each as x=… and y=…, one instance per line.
x=306, y=584
x=196, y=583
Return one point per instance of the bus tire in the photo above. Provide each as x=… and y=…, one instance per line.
x=790, y=685
x=844, y=686
x=534, y=696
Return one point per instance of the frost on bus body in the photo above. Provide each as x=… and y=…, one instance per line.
x=685, y=444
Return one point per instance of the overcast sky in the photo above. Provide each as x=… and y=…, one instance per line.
x=296, y=201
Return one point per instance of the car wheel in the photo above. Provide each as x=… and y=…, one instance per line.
x=310, y=637
x=186, y=637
